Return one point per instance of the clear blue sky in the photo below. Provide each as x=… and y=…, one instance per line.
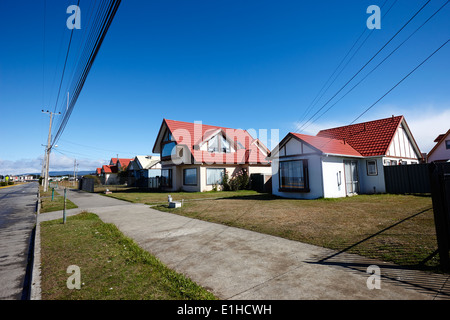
x=240, y=64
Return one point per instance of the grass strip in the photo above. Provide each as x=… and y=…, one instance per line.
x=112, y=266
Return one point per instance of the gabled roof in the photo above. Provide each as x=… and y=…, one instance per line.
x=328, y=145
x=124, y=162
x=98, y=170
x=371, y=138
x=439, y=140
x=193, y=135
x=146, y=162
x=109, y=169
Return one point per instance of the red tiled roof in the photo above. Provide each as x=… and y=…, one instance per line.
x=328, y=145
x=192, y=135
x=109, y=169
x=98, y=170
x=124, y=162
x=368, y=138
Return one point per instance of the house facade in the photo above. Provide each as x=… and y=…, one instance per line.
x=196, y=157
x=141, y=168
x=109, y=175
x=441, y=150
x=341, y=161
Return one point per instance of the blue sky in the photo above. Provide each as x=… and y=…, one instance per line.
x=240, y=64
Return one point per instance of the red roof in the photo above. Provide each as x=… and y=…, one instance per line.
x=99, y=170
x=371, y=138
x=328, y=145
x=194, y=134
x=109, y=169
x=124, y=162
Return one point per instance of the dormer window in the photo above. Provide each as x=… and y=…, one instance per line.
x=218, y=143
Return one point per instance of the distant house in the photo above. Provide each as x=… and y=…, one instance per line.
x=121, y=163
x=109, y=174
x=195, y=157
x=141, y=168
x=341, y=161
x=441, y=150
x=98, y=172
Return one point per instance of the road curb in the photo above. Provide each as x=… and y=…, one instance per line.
x=35, y=287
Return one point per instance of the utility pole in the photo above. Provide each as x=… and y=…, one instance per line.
x=48, y=149
x=75, y=173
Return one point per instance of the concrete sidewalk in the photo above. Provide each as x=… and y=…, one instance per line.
x=235, y=263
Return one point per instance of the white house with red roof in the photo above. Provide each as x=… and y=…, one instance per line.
x=441, y=150
x=109, y=174
x=341, y=161
x=121, y=163
x=195, y=157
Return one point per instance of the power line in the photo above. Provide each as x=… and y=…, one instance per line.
x=418, y=66
x=380, y=63
x=112, y=9
x=410, y=19
x=320, y=94
x=65, y=62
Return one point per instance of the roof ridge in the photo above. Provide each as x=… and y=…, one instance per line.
x=359, y=123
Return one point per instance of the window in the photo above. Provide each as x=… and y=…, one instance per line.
x=218, y=143
x=166, y=178
x=293, y=175
x=447, y=144
x=168, y=149
x=372, y=167
x=214, y=176
x=388, y=162
x=190, y=177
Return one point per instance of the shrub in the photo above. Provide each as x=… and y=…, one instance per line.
x=240, y=181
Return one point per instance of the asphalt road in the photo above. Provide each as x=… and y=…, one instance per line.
x=17, y=222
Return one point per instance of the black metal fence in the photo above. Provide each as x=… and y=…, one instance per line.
x=413, y=178
x=440, y=193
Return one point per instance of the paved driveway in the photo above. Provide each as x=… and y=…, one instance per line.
x=239, y=264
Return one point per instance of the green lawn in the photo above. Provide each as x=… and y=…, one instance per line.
x=151, y=198
x=112, y=266
x=48, y=205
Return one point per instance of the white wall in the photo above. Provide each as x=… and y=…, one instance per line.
x=333, y=177
x=371, y=184
x=401, y=146
x=314, y=174
x=441, y=153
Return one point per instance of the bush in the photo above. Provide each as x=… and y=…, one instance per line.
x=3, y=183
x=240, y=181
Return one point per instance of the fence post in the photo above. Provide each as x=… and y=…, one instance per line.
x=440, y=193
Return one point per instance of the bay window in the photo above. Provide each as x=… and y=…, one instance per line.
x=293, y=175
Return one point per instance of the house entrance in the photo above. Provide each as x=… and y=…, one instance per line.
x=351, y=177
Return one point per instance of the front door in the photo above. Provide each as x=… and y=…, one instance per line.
x=351, y=177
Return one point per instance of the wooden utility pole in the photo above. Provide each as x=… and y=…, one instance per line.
x=48, y=149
